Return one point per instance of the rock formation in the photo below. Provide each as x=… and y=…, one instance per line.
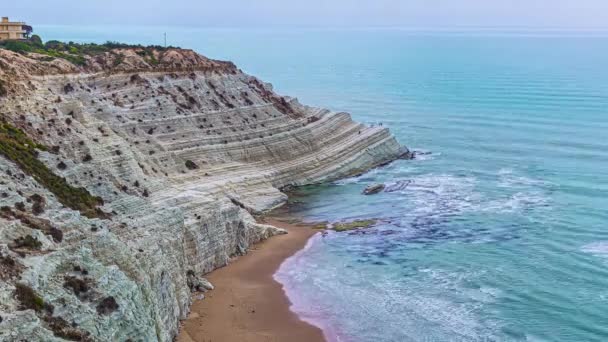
x=373, y=189
x=125, y=174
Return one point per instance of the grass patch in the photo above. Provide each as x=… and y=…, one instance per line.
x=319, y=225
x=19, y=148
x=120, y=58
x=359, y=224
x=28, y=242
x=30, y=300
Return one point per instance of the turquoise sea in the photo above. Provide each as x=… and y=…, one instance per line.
x=502, y=232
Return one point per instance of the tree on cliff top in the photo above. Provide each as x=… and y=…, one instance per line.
x=28, y=30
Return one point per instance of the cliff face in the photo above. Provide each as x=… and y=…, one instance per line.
x=174, y=151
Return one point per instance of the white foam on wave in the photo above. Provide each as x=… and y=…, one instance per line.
x=383, y=306
x=423, y=157
x=516, y=202
x=508, y=178
x=599, y=248
x=443, y=193
x=357, y=179
x=533, y=338
x=358, y=301
x=290, y=274
x=426, y=155
x=436, y=194
x=410, y=307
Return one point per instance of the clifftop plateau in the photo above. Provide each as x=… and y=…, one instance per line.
x=128, y=173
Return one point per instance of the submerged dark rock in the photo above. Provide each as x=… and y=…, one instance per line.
x=398, y=186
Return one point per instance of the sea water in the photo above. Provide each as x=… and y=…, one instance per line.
x=501, y=233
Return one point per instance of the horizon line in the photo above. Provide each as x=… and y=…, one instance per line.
x=497, y=28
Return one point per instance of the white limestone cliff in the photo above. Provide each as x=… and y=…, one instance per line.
x=182, y=150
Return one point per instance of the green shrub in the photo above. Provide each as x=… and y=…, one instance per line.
x=107, y=306
x=56, y=234
x=28, y=298
x=346, y=226
x=28, y=242
x=3, y=90
x=61, y=328
x=38, y=204
x=16, y=146
x=36, y=41
x=77, y=285
x=18, y=46
x=191, y=165
x=120, y=58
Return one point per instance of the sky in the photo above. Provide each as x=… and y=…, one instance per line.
x=542, y=14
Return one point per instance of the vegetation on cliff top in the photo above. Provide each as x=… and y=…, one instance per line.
x=19, y=148
x=74, y=52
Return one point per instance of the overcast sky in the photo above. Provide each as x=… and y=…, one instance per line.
x=568, y=14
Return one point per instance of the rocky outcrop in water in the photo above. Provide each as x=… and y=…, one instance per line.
x=127, y=177
x=373, y=189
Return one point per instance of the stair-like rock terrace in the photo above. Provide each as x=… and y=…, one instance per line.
x=182, y=151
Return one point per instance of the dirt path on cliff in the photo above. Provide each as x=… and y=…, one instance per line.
x=248, y=305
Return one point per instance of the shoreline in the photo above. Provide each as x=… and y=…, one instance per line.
x=248, y=304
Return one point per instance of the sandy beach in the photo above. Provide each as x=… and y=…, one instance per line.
x=248, y=305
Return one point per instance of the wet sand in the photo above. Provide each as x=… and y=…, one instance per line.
x=248, y=305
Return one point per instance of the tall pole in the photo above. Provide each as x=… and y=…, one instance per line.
x=165, y=39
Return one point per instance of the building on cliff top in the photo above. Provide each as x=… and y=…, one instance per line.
x=13, y=29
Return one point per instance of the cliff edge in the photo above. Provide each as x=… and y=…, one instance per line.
x=129, y=172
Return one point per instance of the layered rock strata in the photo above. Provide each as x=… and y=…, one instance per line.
x=180, y=151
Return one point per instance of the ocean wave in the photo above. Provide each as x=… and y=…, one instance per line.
x=517, y=202
x=366, y=177
x=436, y=194
x=422, y=154
x=599, y=248
x=357, y=301
x=367, y=280
x=509, y=178
x=439, y=194
x=360, y=281
x=436, y=208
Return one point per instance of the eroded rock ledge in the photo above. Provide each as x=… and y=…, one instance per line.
x=180, y=150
